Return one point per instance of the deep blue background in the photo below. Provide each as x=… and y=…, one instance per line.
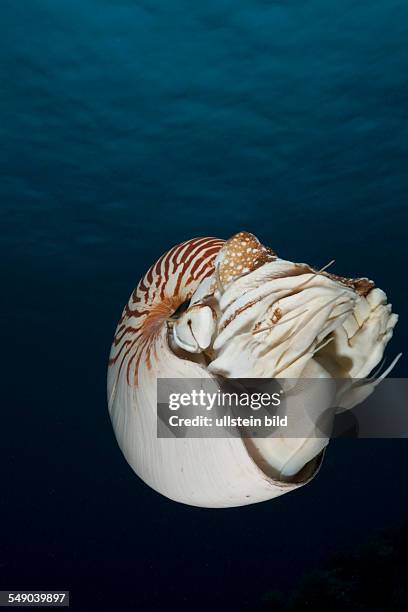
x=125, y=128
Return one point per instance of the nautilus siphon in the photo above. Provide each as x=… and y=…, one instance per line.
x=216, y=309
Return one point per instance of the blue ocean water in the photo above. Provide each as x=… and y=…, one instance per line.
x=125, y=128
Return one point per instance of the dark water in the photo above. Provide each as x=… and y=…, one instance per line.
x=125, y=128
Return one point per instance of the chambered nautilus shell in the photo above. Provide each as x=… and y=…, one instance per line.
x=214, y=309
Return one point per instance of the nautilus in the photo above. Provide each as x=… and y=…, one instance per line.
x=226, y=309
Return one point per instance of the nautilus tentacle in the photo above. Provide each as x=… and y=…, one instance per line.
x=213, y=309
x=194, y=330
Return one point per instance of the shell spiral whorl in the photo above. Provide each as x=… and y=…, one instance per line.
x=165, y=286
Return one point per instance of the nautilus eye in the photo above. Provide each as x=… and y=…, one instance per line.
x=181, y=309
x=220, y=310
